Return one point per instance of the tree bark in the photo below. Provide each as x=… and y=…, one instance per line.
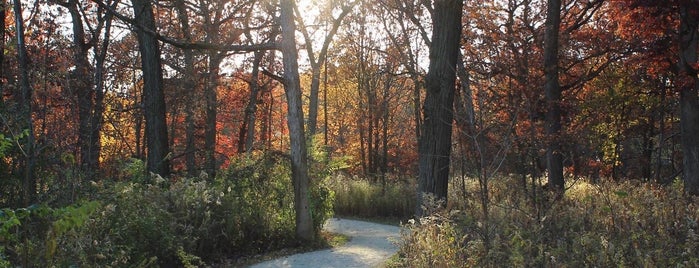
x=299, y=161
x=361, y=88
x=25, y=104
x=435, y=140
x=247, y=130
x=81, y=84
x=153, y=97
x=189, y=86
x=552, y=88
x=212, y=29
x=97, y=117
x=689, y=101
x=211, y=98
x=2, y=55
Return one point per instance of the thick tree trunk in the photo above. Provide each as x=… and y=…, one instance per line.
x=153, y=97
x=552, y=88
x=689, y=101
x=435, y=139
x=299, y=161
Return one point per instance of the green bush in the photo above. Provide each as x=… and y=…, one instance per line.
x=608, y=225
x=146, y=222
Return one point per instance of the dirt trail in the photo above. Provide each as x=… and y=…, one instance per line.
x=370, y=245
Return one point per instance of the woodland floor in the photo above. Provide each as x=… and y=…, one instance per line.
x=370, y=245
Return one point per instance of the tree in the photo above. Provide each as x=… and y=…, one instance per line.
x=100, y=52
x=2, y=55
x=153, y=97
x=25, y=104
x=435, y=140
x=317, y=62
x=217, y=16
x=87, y=83
x=189, y=85
x=299, y=157
x=552, y=88
x=406, y=15
x=247, y=129
x=689, y=88
x=663, y=15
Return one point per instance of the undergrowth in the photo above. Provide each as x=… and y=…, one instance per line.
x=148, y=221
x=627, y=224
x=355, y=197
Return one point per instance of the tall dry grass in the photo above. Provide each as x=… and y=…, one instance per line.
x=627, y=224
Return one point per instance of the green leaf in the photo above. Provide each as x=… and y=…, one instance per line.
x=621, y=193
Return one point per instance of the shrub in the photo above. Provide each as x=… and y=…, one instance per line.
x=362, y=198
x=150, y=221
x=606, y=225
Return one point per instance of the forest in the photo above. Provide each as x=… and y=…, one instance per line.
x=199, y=133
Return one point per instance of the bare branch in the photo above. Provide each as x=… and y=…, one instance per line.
x=188, y=45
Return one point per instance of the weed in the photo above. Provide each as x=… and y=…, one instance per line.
x=605, y=225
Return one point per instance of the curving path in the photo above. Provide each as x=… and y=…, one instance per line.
x=370, y=245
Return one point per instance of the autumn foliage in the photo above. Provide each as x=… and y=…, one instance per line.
x=627, y=71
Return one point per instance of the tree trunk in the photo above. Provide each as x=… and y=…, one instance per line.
x=417, y=115
x=98, y=111
x=435, y=140
x=317, y=63
x=190, y=87
x=82, y=87
x=383, y=169
x=138, y=125
x=268, y=100
x=325, y=106
x=25, y=104
x=153, y=98
x=211, y=113
x=247, y=130
x=2, y=55
x=299, y=161
x=689, y=102
x=313, y=99
x=371, y=122
x=648, y=148
x=661, y=134
x=361, y=103
x=552, y=88
x=210, y=86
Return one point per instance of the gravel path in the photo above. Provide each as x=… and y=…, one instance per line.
x=370, y=245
